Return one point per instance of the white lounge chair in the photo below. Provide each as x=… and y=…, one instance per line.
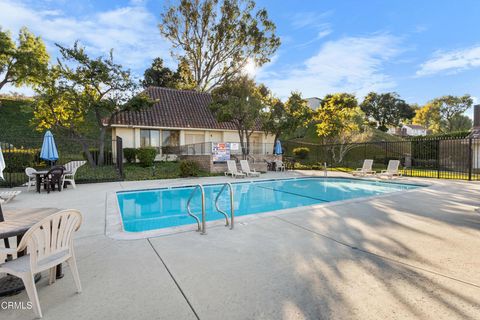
x=232, y=170
x=32, y=178
x=246, y=169
x=6, y=196
x=392, y=170
x=72, y=168
x=365, y=169
x=279, y=165
x=49, y=242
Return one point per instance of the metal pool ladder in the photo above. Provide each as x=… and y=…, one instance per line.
x=232, y=213
x=189, y=211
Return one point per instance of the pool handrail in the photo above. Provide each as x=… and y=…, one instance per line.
x=232, y=214
x=189, y=211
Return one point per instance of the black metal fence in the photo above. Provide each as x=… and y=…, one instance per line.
x=22, y=153
x=205, y=148
x=446, y=158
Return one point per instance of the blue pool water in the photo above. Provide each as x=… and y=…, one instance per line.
x=144, y=210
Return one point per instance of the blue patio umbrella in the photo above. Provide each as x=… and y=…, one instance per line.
x=278, y=147
x=49, y=149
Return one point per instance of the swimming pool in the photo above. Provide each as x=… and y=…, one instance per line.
x=143, y=210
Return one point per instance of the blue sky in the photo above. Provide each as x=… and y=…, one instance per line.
x=420, y=49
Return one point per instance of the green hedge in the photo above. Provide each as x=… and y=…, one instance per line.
x=301, y=152
x=130, y=154
x=189, y=168
x=18, y=159
x=146, y=156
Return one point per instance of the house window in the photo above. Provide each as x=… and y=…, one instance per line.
x=170, y=138
x=149, y=138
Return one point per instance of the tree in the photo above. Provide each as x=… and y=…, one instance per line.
x=428, y=116
x=340, y=124
x=387, y=109
x=217, y=38
x=22, y=63
x=285, y=118
x=450, y=107
x=160, y=76
x=460, y=122
x=240, y=101
x=441, y=115
x=79, y=86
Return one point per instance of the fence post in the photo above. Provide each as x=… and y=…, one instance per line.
x=470, y=162
x=438, y=158
x=119, y=148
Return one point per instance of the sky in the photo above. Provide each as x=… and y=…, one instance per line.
x=420, y=49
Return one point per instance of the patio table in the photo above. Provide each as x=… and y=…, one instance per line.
x=17, y=222
x=42, y=173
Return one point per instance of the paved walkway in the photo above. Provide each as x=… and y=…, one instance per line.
x=407, y=255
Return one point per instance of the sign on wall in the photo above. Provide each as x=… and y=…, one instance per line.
x=221, y=151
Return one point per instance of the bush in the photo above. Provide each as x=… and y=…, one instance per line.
x=301, y=152
x=146, y=156
x=18, y=159
x=189, y=168
x=130, y=154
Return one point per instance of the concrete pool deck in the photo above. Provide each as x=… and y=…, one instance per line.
x=406, y=255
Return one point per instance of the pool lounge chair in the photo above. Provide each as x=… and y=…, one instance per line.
x=246, y=169
x=392, y=170
x=232, y=170
x=71, y=169
x=6, y=196
x=365, y=169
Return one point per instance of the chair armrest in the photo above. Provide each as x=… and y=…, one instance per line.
x=383, y=171
x=8, y=250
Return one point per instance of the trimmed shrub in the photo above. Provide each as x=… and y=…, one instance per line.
x=146, y=156
x=130, y=154
x=18, y=159
x=189, y=168
x=301, y=152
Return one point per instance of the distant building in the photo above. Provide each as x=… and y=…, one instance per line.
x=314, y=102
x=411, y=130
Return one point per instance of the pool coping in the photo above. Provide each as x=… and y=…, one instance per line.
x=114, y=225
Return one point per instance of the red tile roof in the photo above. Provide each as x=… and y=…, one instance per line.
x=175, y=109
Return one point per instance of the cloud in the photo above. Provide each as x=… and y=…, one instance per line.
x=451, y=61
x=349, y=64
x=131, y=30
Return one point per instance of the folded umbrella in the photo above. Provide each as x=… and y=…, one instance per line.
x=49, y=149
x=2, y=164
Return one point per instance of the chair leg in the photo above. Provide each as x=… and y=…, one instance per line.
x=52, y=275
x=72, y=182
x=29, y=282
x=29, y=184
x=72, y=263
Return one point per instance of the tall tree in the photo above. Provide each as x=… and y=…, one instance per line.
x=460, y=122
x=80, y=86
x=217, y=38
x=240, y=101
x=160, y=76
x=22, y=63
x=340, y=124
x=441, y=115
x=450, y=107
x=285, y=118
x=387, y=109
x=429, y=117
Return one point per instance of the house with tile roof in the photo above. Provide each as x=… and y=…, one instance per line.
x=180, y=118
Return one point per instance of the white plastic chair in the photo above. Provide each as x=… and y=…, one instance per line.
x=72, y=167
x=279, y=165
x=392, y=169
x=365, y=169
x=49, y=242
x=32, y=178
x=246, y=169
x=232, y=170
